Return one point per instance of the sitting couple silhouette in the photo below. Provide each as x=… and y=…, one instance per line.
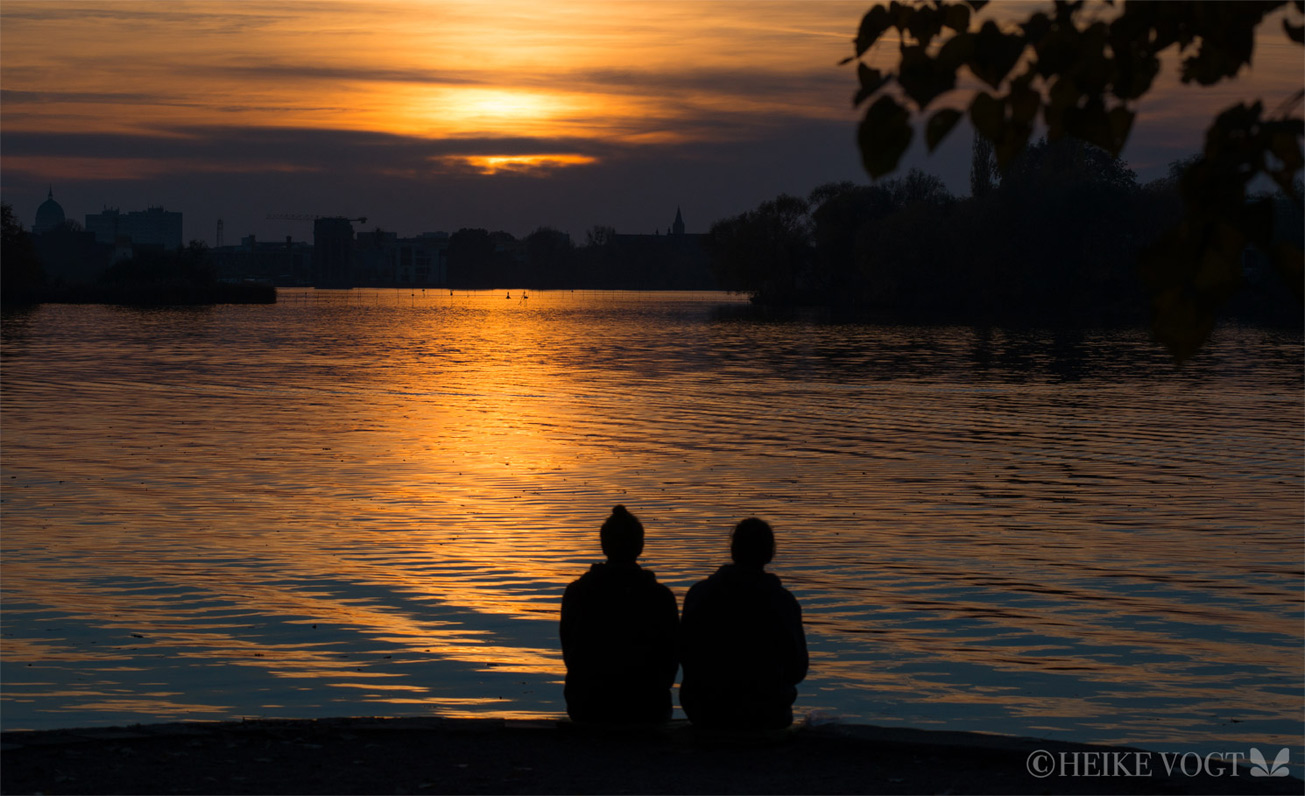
x=740, y=639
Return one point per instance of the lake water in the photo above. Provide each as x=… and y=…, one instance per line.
x=369, y=503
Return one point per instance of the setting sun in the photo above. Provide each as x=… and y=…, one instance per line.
x=492, y=164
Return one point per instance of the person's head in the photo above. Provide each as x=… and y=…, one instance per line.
x=622, y=537
x=753, y=543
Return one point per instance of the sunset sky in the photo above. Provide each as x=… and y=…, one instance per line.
x=437, y=115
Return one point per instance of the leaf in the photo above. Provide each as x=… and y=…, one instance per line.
x=925, y=24
x=871, y=81
x=1219, y=271
x=1090, y=123
x=1285, y=180
x=1035, y=27
x=1180, y=323
x=1231, y=129
x=1136, y=70
x=957, y=17
x=940, y=124
x=1190, y=271
x=873, y=24
x=1024, y=102
x=883, y=136
x=1008, y=136
x=956, y=51
x=1227, y=47
x=1057, y=52
x=1178, y=319
x=1094, y=69
x=1290, y=262
x=900, y=14
x=1063, y=95
x=1121, y=123
x=988, y=115
x=1284, y=755
x=922, y=77
x=995, y=53
x=1286, y=149
x=1257, y=759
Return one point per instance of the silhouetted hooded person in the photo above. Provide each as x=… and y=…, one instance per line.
x=743, y=647
x=619, y=632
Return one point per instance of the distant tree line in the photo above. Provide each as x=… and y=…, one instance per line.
x=21, y=273
x=1054, y=237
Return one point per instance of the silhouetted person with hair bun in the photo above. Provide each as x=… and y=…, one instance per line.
x=619, y=634
x=744, y=650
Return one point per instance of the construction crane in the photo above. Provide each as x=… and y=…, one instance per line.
x=307, y=217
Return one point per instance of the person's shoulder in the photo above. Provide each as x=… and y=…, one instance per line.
x=707, y=582
x=776, y=584
x=649, y=582
x=586, y=580
x=703, y=586
x=785, y=596
x=662, y=588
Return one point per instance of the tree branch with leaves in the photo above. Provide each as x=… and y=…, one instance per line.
x=1079, y=69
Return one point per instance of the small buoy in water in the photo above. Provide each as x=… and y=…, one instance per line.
x=509, y=295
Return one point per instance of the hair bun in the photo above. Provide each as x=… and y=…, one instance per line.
x=618, y=509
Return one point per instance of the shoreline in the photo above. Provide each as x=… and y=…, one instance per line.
x=444, y=755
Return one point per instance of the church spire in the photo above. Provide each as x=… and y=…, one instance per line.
x=678, y=227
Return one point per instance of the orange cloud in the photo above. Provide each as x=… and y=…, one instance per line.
x=433, y=69
x=93, y=168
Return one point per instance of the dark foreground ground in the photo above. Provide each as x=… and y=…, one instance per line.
x=434, y=755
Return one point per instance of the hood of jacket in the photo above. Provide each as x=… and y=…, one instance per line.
x=607, y=572
x=733, y=577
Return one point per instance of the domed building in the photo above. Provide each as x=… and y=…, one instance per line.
x=48, y=216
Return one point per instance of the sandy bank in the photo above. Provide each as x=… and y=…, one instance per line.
x=432, y=755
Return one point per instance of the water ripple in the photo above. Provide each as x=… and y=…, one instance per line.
x=368, y=502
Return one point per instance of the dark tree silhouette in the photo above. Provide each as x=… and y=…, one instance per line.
x=1081, y=68
x=549, y=258
x=154, y=276
x=983, y=168
x=20, y=268
x=841, y=213
x=766, y=251
x=1056, y=241
x=190, y=265
x=471, y=254
x=600, y=235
